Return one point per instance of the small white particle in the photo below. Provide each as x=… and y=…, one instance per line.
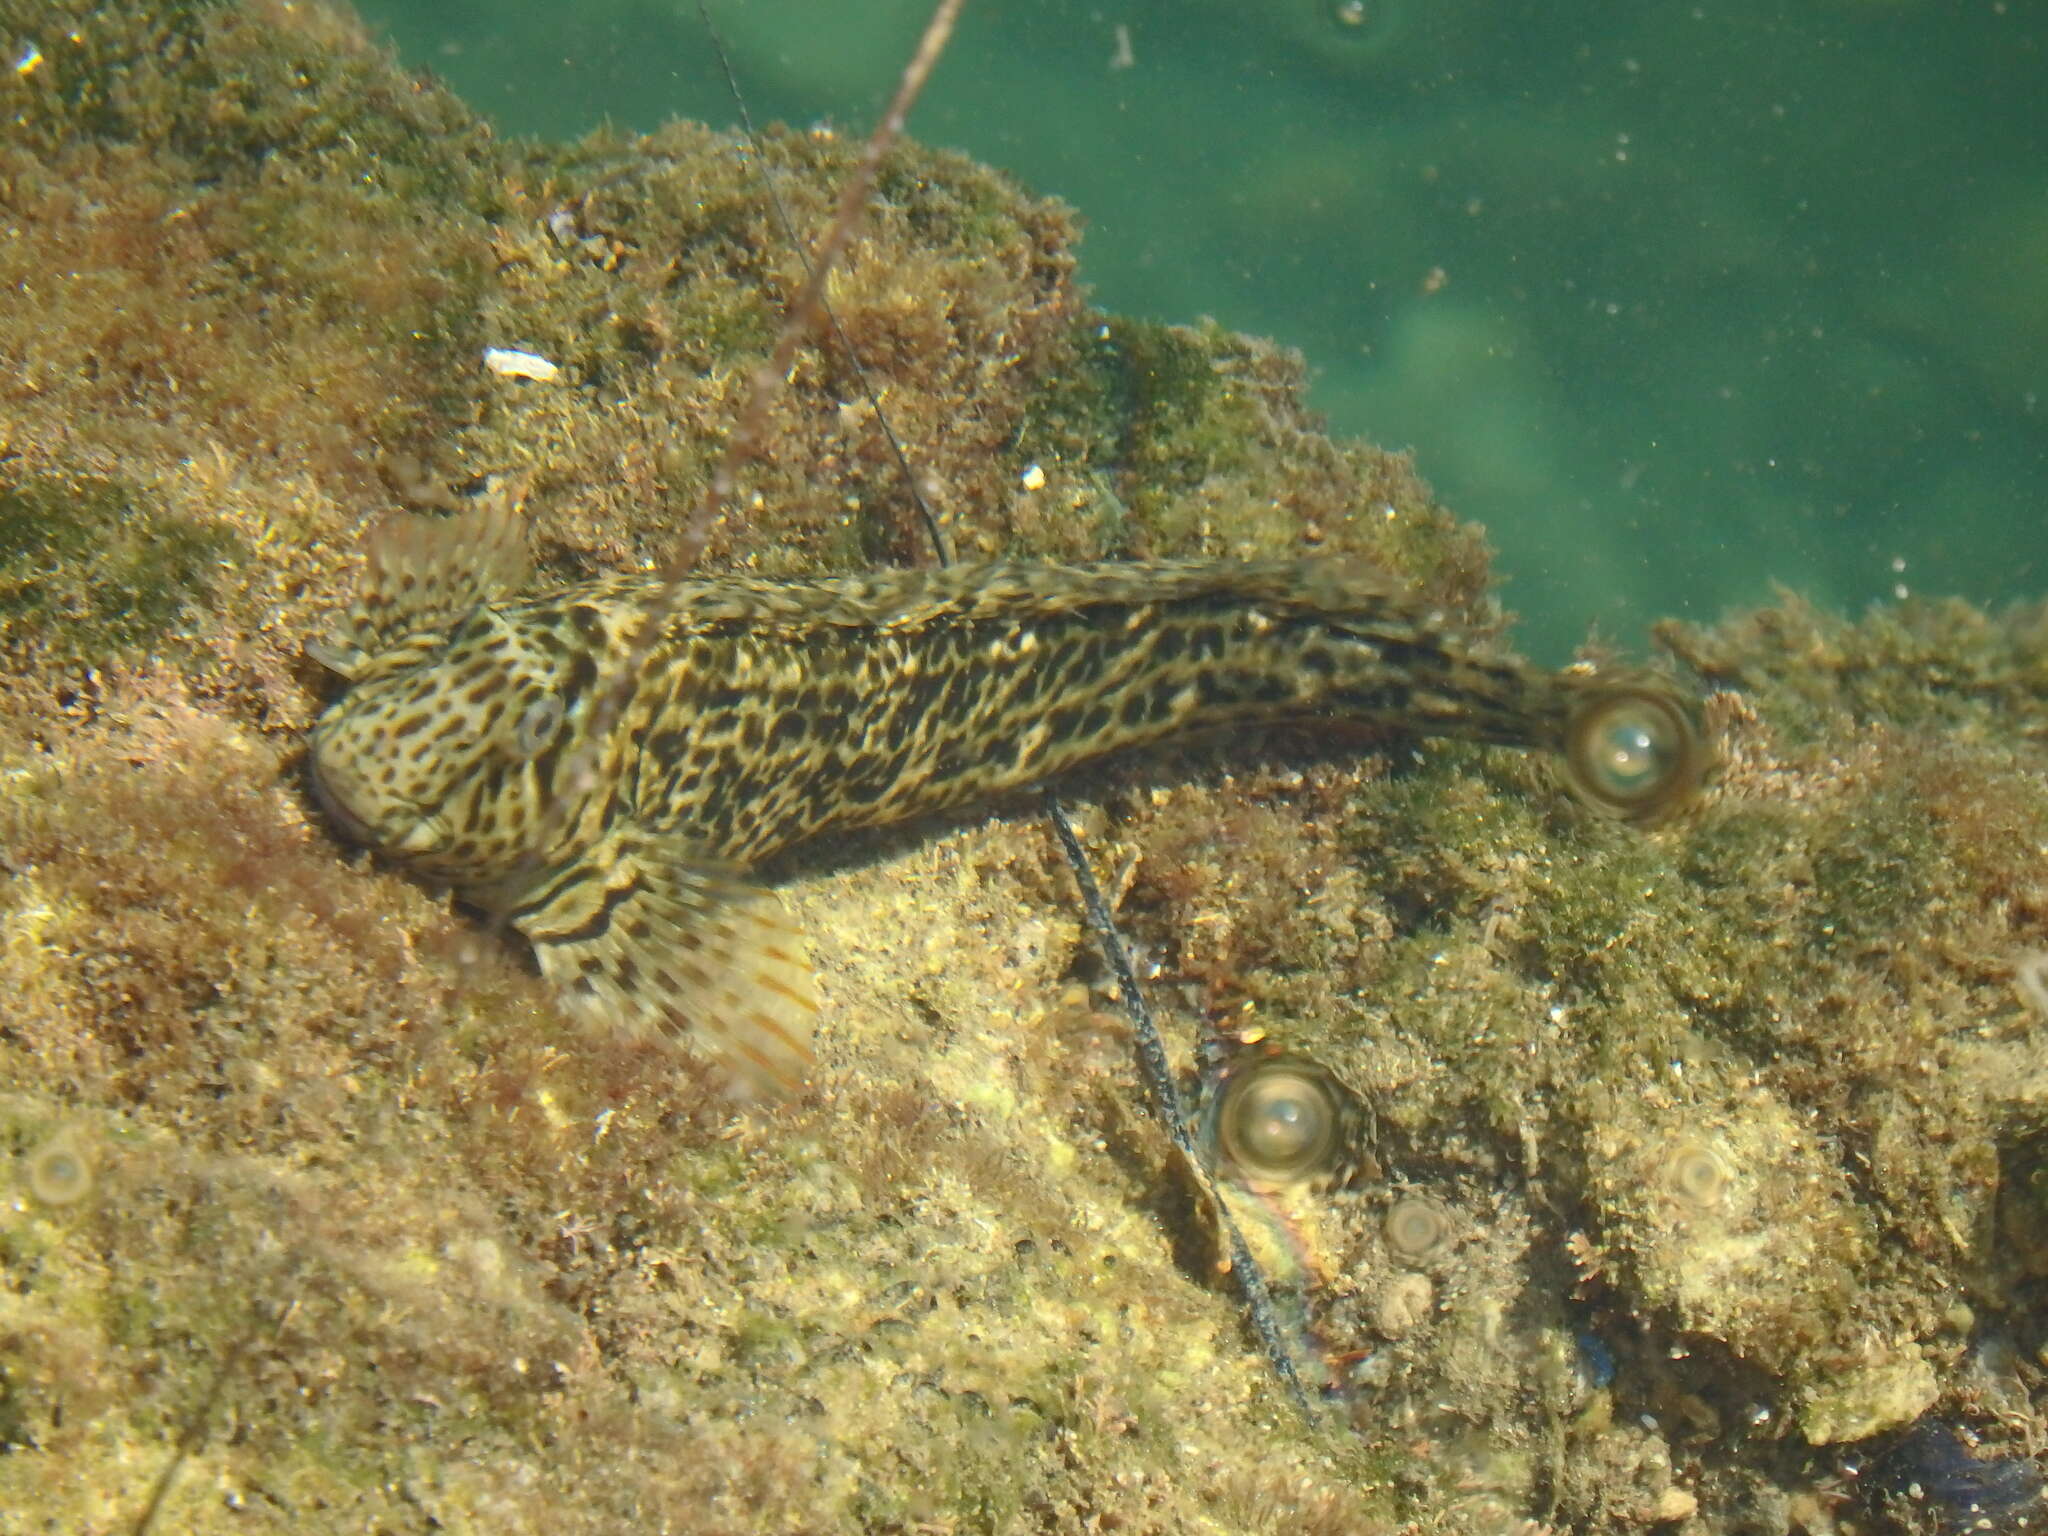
x=1033, y=478
x=509, y=364
x=30, y=61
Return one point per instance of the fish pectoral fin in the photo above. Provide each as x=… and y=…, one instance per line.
x=638, y=934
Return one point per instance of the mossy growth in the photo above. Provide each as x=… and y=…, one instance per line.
x=87, y=574
x=231, y=87
x=1873, y=869
x=1194, y=440
x=1144, y=395
x=1919, y=663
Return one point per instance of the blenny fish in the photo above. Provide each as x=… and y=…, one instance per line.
x=603, y=764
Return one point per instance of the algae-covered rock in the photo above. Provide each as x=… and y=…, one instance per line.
x=1665, y=1159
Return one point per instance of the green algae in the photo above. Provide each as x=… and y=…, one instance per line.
x=87, y=574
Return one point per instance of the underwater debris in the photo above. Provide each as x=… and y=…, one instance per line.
x=511, y=363
x=1942, y=1478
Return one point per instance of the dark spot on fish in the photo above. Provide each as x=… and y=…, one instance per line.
x=582, y=675
x=488, y=687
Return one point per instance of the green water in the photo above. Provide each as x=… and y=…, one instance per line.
x=1679, y=300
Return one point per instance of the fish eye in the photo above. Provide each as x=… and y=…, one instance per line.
x=536, y=727
x=1281, y=1121
x=1633, y=750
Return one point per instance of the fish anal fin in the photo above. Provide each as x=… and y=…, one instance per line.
x=638, y=935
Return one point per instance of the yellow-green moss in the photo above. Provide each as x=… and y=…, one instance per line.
x=87, y=574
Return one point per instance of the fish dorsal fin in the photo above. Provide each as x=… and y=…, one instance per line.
x=423, y=573
x=637, y=933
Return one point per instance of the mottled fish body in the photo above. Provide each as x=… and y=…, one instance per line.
x=608, y=788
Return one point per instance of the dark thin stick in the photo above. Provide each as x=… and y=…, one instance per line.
x=1164, y=1094
x=194, y=1432
x=940, y=545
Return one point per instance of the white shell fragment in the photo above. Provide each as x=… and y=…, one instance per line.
x=510, y=364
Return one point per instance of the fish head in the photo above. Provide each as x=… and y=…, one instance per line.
x=444, y=756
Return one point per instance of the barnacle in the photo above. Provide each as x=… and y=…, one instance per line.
x=59, y=1171
x=1418, y=1229
x=1403, y=1304
x=1695, y=1175
x=2030, y=980
x=1633, y=749
x=1281, y=1121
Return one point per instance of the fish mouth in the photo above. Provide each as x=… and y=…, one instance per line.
x=333, y=801
x=424, y=835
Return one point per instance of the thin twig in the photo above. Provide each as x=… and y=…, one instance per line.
x=940, y=544
x=193, y=1434
x=767, y=377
